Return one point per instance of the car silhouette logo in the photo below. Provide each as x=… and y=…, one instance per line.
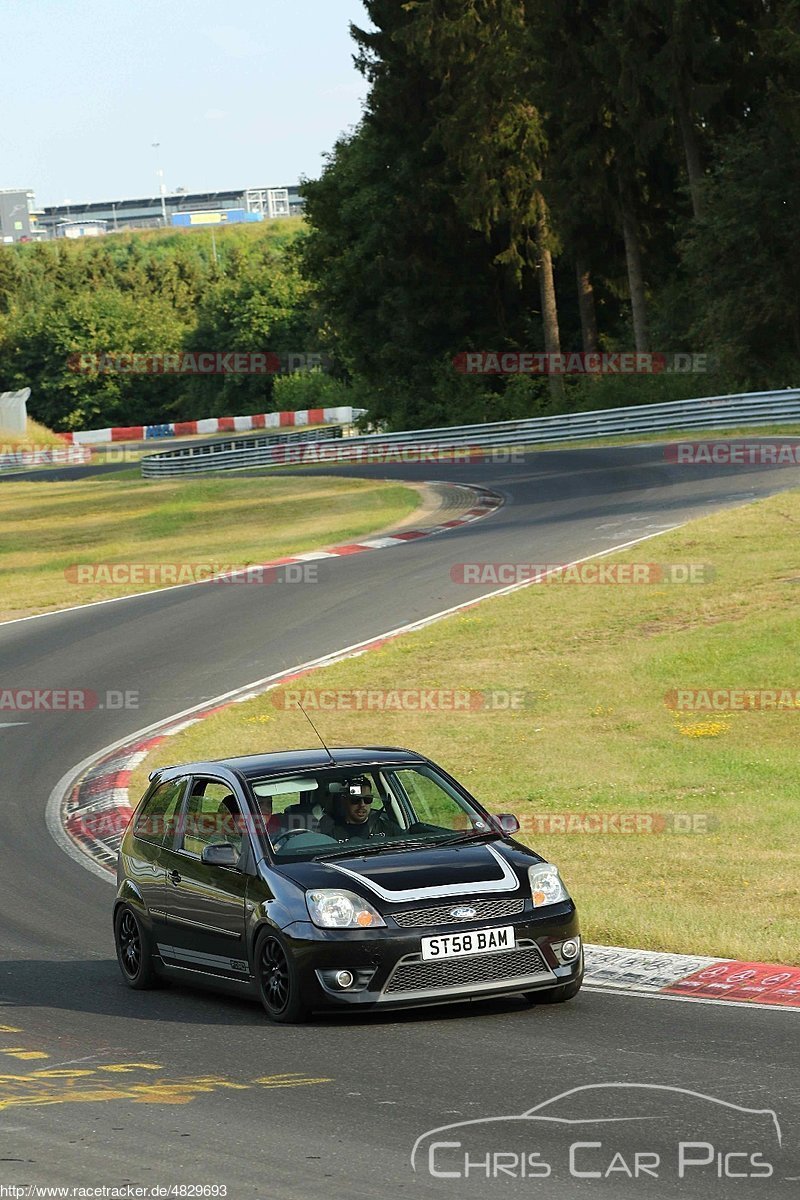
x=463, y=913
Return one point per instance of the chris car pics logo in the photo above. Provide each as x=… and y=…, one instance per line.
x=625, y=1134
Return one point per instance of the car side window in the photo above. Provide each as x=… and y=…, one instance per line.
x=213, y=816
x=431, y=804
x=155, y=822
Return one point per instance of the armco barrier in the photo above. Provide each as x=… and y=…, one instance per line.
x=709, y=412
x=261, y=450
x=344, y=415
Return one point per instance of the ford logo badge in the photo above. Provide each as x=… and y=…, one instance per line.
x=463, y=914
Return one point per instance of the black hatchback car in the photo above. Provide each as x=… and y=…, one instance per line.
x=361, y=878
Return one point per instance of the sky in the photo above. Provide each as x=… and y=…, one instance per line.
x=249, y=93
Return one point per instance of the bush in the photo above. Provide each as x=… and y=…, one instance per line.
x=310, y=389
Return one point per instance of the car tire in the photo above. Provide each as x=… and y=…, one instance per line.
x=134, y=950
x=555, y=995
x=277, y=980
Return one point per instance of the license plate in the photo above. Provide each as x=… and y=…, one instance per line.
x=477, y=941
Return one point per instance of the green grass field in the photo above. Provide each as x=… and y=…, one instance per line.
x=49, y=529
x=595, y=734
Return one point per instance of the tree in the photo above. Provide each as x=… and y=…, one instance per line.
x=741, y=255
x=402, y=281
x=483, y=59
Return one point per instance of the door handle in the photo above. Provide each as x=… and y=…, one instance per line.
x=175, y=876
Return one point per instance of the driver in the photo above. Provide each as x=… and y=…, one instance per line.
x=353, y=816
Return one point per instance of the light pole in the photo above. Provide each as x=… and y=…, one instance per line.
x=160, y=175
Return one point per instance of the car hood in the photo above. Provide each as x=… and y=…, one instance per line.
x=440, y=871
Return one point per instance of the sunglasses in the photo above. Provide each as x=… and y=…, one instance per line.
x=361, y=799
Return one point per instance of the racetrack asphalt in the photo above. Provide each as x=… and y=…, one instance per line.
x=106, y=1086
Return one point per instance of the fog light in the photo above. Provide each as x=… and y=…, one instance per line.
x=570, y=949
x=344, y=979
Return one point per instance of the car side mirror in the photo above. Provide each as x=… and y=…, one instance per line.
x=222, y=854
x=505, y=823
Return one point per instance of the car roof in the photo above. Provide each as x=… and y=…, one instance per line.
x=254, y=765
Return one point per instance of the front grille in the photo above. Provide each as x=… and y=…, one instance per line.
x=441, y=914
x=523, y=963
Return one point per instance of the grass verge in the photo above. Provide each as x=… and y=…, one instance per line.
x=34, y=435
x=595, y=733
x=47, y=531
x=677, y=435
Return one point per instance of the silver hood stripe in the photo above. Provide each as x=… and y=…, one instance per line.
x=508, y=883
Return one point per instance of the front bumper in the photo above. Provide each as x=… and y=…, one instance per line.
x=389, y=972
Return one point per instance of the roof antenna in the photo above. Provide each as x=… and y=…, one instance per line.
x=317, y=732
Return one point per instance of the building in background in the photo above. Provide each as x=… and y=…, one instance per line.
x=80, y=229
x=268, y=203
x=18, y=213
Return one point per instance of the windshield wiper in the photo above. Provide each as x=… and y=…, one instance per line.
x=472, y=836
x=418, y=844
x=357, y=851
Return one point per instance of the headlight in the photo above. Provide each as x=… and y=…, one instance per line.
x=332, y=909
x=546, y=885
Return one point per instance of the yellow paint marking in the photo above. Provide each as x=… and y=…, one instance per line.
x=9, y=1029
x=21, y=1052
x=52, y=1073
x=288, y=1080
x=219, y=1081
x=90, y=1085
x=122, y=1068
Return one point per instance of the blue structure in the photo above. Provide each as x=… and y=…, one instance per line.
x=223, y=216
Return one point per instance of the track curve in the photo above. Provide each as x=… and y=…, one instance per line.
x=346, y=1099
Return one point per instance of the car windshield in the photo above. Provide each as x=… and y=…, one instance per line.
x=369, y=809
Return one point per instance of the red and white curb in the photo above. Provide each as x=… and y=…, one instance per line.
x=692, y=977
x=485, y=503
x=342, y=415
x=89, y=810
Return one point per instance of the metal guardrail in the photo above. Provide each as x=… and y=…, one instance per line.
x=708, y=412
x=227, y=453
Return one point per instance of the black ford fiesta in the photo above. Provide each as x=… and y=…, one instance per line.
x=367, y=878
